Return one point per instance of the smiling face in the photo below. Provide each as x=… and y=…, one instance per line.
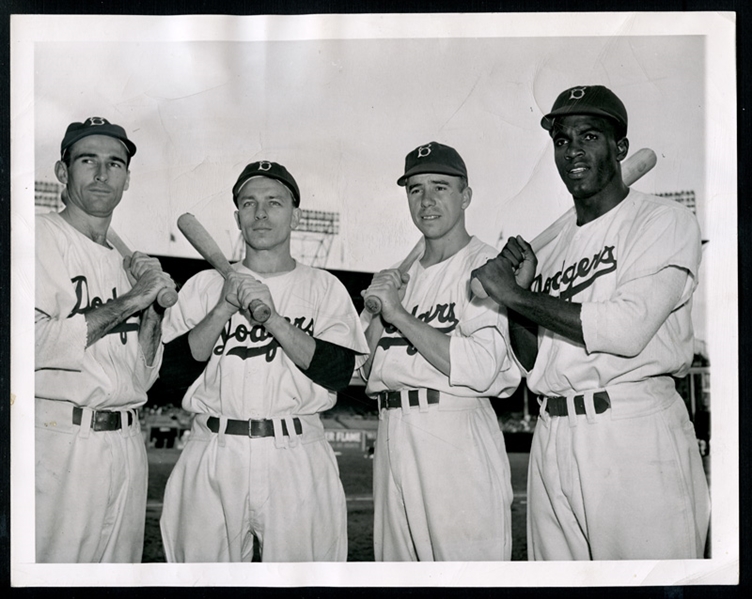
x=266, y=214
x=437, y=203
x=587, y=154
x=95, y=175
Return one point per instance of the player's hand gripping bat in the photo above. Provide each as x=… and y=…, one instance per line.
x=373, y=303
x=205, y=245
x=166, y=297
x=632, y=169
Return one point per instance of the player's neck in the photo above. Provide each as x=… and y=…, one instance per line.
x=93, y=227
x=443, y=248
x=595, y=206
x=271, y=261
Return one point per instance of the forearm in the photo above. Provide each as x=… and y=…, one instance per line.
x=202, y=338
x=549, y=312
x=104, y=318
x=150, y=333
x=298, y=345
x=432, y=344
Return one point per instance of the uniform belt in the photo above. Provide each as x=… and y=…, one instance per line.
x=103, y=420
x=393, y=399
x=557, y=406
x=254, y=429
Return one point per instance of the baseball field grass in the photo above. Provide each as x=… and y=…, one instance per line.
x=356, y=470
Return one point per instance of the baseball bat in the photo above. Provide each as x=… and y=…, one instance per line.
x=166, y=297
x=373, y=303
x=205, y=245
x=632, y=169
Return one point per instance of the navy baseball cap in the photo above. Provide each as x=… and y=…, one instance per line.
x=595, y=100
x=433, y=157
x=264, y=168
x=95, y=125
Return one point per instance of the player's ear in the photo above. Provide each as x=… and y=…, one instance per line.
x=467, y=197
x=622, y=147
x=127, y=181
x=295, y=220
x=237, y=219
x=61, y=172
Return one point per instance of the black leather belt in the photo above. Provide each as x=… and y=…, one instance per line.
x=557, y=406
x=254, y=429
x=393, y=399
x=103, y=420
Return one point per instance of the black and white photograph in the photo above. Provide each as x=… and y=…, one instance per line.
x=374, y=300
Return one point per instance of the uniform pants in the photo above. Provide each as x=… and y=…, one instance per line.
x=90, y=489
x=609, y=489
x=226, y=489
x=442, y=486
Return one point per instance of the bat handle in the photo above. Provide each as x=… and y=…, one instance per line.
x=373, y=305
x=167, y=297
x=260, y=311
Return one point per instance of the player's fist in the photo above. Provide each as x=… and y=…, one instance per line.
x=148, y=285
x=388, y=286
x=251, y=292
x=498, y=279
x=521, y=256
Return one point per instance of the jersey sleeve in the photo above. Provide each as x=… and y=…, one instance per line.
x=626, y=323
x=60, y=341
x=337, y=321
x=195, y=299
x=666, y=236
x=479, y=352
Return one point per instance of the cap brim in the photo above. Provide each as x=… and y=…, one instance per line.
x=547, y=122
x=439, y=169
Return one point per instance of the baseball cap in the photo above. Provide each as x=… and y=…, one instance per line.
x=433, y=157
x=587, y=99
x=95, y=125
x=265, y=168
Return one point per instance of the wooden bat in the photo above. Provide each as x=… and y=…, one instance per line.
x=205, y=245
x=373, y=303
x=166, y=297
x=632, y=169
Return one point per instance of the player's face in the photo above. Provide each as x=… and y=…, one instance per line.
x=437, y=203
x=96, y=176
x=266, y=213
x=587, y=154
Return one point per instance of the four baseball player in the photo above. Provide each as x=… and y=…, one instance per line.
x=598, y=321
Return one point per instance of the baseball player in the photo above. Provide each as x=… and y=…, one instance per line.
x=442, y=487
x=615, y=471
x=257, y=465
x=97, y=352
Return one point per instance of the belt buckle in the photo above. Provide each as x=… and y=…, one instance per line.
x=250, y=428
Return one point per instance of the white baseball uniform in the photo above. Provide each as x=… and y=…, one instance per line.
x=283, y=489
x=90, y=485
x=442, y=486
x=626, y=483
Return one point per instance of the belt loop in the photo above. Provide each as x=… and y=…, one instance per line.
x=125, y=430
x=587, y=398
x=87, y=416
x=291, y=431
x=379, y=398
x=423, y=400
x=279, y=439
x=221, y=439
x=543, y=403
x=571, y=411
x=405, y=401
